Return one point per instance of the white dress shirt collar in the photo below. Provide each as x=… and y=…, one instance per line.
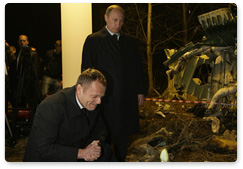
x=111, y=33
x=79, y=104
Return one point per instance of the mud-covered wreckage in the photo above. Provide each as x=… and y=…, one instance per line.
x=208, y=69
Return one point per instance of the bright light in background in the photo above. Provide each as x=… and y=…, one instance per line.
x=76, y=25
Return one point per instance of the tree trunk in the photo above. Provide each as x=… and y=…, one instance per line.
x=149, y=55
x=184, y=23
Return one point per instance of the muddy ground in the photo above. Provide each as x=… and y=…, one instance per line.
x=172, y=126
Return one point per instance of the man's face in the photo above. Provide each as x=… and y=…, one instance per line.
x=115, y=20
x=23, y=41
x=90, y=96
x=58, y=49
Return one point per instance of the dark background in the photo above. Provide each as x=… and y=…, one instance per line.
x=41, y=22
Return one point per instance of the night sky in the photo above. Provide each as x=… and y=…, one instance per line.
x=41, y=22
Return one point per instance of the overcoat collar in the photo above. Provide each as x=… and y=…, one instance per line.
x=73, y=107
x=71, y=100
x=104, y=32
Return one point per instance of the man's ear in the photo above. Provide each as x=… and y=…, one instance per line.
x=106, y=18
x=79, y=88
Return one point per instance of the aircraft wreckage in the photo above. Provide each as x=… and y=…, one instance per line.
x=208, y=69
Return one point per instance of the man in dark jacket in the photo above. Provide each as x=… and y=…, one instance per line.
x=67, y=127
x=24, y=75
x=52, y=63
x=117, y=56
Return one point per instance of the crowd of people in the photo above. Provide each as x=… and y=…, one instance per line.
x=94, y=119
x=31, y=77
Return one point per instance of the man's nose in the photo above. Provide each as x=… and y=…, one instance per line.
x=120, y=23
x=98, y=101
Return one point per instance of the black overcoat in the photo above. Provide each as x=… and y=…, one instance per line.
x=60, y=128
x=120, y=62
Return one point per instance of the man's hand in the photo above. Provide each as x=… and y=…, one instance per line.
x=91, y=153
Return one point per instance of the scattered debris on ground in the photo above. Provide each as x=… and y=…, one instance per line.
x=186, y=137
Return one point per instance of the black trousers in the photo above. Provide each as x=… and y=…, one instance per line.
x=119, y=145
x=107, y=154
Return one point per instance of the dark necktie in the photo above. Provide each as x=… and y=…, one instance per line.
x=115, y=36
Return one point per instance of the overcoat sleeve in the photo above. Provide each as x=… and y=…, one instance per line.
x=98, y=132
x=140, y=70
x=46, y=127
x=89, y=59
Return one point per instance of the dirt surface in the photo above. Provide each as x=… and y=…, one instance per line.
x=186, y=135
x=172, y=126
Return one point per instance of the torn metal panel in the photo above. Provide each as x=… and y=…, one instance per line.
x=190, y=87
x=217, y=51
x=219, y=94
x=184, y=79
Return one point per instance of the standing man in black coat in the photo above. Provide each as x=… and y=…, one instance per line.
x=67, y=127
x=24, y=75
x=117, y=56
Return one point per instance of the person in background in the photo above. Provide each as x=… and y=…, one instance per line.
x=67, y=126
x=24, y=75
x=10, y=57
x=52, y=63
x=116, y=54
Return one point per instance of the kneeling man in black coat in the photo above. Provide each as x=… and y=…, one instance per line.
x=67, y=126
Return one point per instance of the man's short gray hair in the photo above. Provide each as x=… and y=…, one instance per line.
x=90, y=75
x=109, y=9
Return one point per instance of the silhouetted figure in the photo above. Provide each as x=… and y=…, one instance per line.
x=52, y=63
